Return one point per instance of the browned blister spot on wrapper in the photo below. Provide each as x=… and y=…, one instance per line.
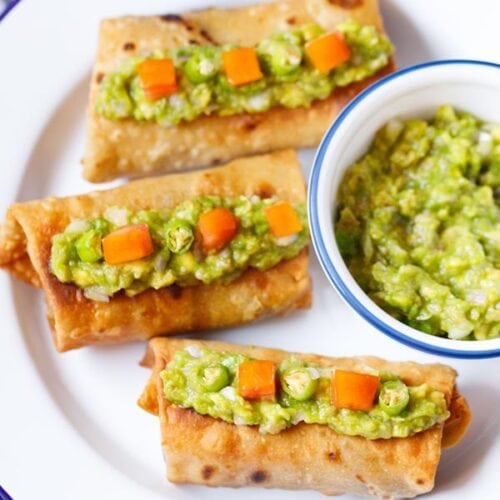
x=207, y=472
x=175, y=291
x=259, y=476
x=264, y=190
x=333, y=456
x=347, y=4
x=173, y=18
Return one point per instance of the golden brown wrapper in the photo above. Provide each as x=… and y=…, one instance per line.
x=130, y=148
x=25, y=246
x=203, y=450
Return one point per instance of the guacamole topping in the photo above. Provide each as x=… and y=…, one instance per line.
x=289, y=79
x=177, y=256
x=418, y=223
x=189, y=382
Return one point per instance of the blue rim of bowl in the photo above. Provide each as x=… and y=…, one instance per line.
x=7, y=9
x=319, y=244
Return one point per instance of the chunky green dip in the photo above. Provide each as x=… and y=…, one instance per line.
x=206, y=381
x=289, y=80
x=77, y=255
x=418, y=223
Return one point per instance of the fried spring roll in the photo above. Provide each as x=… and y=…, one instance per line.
x=26, y=244
x=204, y=450
x=134, y=144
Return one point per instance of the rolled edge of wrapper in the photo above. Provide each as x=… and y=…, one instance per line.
x=25, y=248
x=450, y=433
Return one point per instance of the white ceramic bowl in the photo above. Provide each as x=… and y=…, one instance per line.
x=416, y=91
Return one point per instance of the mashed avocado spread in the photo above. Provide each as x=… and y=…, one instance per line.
x=77, y=253
x=206, y=381
x=418, y=223
x=289, y=80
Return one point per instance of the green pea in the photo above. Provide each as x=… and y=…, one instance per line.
x=179, y=236
x=394, y=397
x=299, y=383
x=201, y=66
x=210, y=378
x=183, y=264
x=88, y=246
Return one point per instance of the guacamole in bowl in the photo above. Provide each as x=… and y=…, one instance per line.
x=418, y=223
x=403, y=207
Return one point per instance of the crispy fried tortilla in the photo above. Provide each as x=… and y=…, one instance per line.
x=203, y=450
x=130, y=148
x=25, y=246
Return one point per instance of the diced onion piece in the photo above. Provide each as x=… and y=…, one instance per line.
x=284, y=241
x=478, y=297
x=484, y=142
x=176, y=102
x=300, y=416
x=314, y=373
x=459, y=331
x=117, y=216
x=394, y=128
x=272, y=427
x=95, y=293
x=193, y=351
x=258, y=102
x=229, y=393
x=326, y=372
x=239, y=420
x=77, y=226
x=160, y=263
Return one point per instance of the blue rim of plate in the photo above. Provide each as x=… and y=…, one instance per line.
x=319, y=244
x=4, y=495
x=9, y=7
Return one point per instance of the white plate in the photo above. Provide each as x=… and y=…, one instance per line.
x=69, y=426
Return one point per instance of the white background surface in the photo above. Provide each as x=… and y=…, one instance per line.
x=69, y=427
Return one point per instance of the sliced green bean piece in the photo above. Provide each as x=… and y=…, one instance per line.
x=299, y=383
x=211, y=378
x=202, y=66
x=179, y=236
x=394, y=397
